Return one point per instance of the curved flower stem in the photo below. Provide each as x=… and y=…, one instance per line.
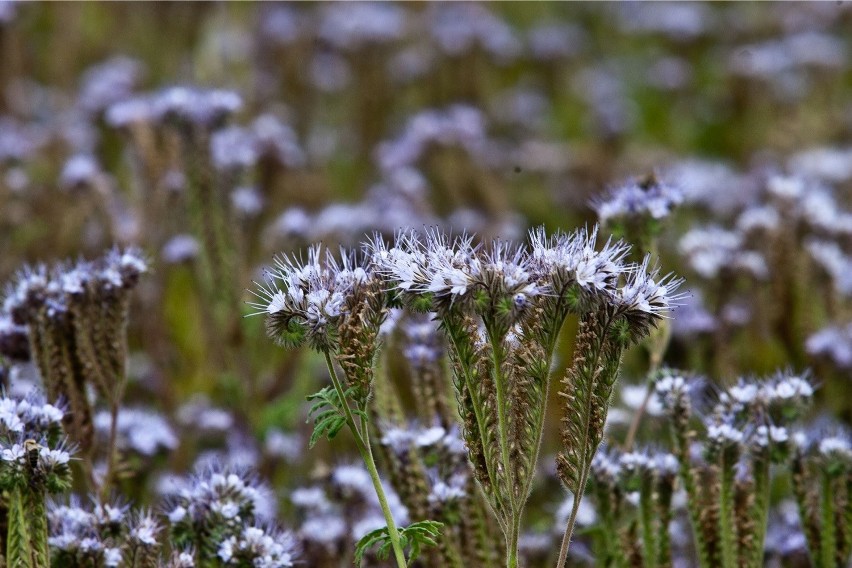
x=362, y=441
x=588, y=454
x=569, y=529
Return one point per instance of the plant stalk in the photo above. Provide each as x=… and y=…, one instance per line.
x=646, y=507
x=726, y=510
x=362, y=441
x=569, y=529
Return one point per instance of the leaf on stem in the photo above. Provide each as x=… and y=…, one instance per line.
x=328, y=414
x=414, y=536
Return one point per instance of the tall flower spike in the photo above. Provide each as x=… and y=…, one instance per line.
x=338, y=308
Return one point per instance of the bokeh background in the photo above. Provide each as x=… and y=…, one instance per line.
x=215, y=135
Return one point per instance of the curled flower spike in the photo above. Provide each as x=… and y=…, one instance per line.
x=646, y=297
x=568, y=259
x=304, y=301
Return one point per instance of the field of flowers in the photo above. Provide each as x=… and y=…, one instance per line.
x=459, y=285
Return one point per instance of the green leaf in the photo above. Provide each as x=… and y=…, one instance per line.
x=328, y=414
x=412, y=537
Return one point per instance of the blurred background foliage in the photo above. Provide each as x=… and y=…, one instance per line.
x=561, y=101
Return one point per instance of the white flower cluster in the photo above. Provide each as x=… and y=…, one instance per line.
x=606, y=466
x=202, y=107
x=310, y=294
x=401, y=439
x=834, y=343
x=305, y=300
x=144, y=530
x=642, y=462
x=215, y=495
x=653, y=200
x=75, y=532
x=259, y=547
x=636, y=462
x=765, y=435
x=784, y=388
x=353, y=512
x=351, y=25
x=673, y=390
x=447, y=491
x=56, y=288
x=50, y=460
x=724, y=434
x=237, y=147
x=31, y=416
x=453, y=270
x=836, y=446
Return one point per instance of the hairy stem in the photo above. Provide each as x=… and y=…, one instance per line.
x=502, y=420
x=512, y=544
x=477, y=408
x=109, y=477
x=800, y=492
x=761, y=508
x=362, y=441
x=726, y=511
x=828, y=538
x=646, y=509
x=664, y=547
x=681, y=438
x=572, y=519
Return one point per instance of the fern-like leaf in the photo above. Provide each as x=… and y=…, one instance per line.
x=413, y=537
x=328, y=413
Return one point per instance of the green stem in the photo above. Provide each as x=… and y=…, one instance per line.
x=587, y=455
x=609, y=550
x=512, y=544
x=362, y=441
x=502, y=421
x=515, y=509
x=646, y=508
x=37, y=514
x=726, y=510
x=477, y=407
x=828, y=539
x=664, y=548
x=18, y=538
x=109, y=477
x=569, y=528
x=800, y=492
x=761, y=506
x=681, y=442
